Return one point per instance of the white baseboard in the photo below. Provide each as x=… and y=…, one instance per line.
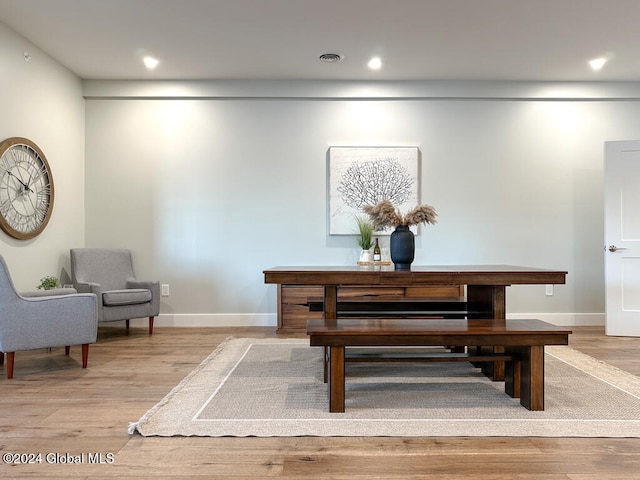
x=270, y=319
x=565, y=319
x=212, y=320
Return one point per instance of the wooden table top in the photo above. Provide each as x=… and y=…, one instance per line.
x=418, y=275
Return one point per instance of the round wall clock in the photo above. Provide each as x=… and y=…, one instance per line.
x=26, y=188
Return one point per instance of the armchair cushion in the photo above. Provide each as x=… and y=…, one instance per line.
x=131, y=296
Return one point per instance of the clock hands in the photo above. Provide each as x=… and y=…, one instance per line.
x=26, y=186
x=28, y=202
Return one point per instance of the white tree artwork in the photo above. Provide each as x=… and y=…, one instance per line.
x=366, y=175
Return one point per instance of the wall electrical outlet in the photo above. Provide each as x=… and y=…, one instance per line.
x=549, y=290
x=164, y=290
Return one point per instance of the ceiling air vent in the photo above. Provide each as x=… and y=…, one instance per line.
x=330, y=57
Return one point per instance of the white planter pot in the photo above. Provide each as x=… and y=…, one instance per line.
x=365, y=256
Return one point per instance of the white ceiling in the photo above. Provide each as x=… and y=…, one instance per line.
x=281, y=39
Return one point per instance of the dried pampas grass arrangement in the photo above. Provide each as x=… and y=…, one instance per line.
x=384, y=215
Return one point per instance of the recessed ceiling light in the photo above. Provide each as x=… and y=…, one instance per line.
x=331, y=57
x=150, y=62
x=375, y=63
x=597, y=63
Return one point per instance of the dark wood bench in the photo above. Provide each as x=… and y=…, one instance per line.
x=395, y=306
x=523, y=342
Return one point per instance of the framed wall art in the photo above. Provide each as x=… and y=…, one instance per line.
x=365, y=175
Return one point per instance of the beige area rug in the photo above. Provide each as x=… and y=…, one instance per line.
x=271, y=387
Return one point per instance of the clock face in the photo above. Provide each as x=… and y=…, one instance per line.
x=26, y=188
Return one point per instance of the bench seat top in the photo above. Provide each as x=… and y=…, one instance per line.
x=381, y=331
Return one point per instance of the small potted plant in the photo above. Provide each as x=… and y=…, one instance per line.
x=49, y=282
x=365, y=239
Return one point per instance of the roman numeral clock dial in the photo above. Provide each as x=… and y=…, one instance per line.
x=26, y=188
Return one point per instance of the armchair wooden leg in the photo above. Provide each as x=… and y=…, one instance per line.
x=10, y=359
x=67, y=350
x=85, y=354
x=1, y=358
x=150, y=325
x=127, y=325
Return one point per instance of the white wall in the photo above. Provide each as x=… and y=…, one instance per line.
x=43, y=101
x=209, y=183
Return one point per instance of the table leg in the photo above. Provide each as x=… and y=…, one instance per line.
x=330, y=302
x=336, y=380
x=488, y=302
x=330, y=314
x=532, y=378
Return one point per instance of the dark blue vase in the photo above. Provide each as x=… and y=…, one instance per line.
x=403, y=247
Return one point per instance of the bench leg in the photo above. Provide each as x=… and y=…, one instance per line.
x=493, y=370
x=326, y=362
x=532, y=377
x=336, y=380
x=512, y=374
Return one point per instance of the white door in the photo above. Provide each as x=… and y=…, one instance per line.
x=622, y=237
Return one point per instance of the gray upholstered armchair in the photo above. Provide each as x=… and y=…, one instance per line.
x=44, y=321
x=108, y=272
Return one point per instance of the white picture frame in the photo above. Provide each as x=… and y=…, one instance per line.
x=366, y=175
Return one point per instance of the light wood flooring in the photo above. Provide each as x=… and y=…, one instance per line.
x=53, y=406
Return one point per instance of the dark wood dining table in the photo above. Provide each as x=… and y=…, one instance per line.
x=485, y=284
